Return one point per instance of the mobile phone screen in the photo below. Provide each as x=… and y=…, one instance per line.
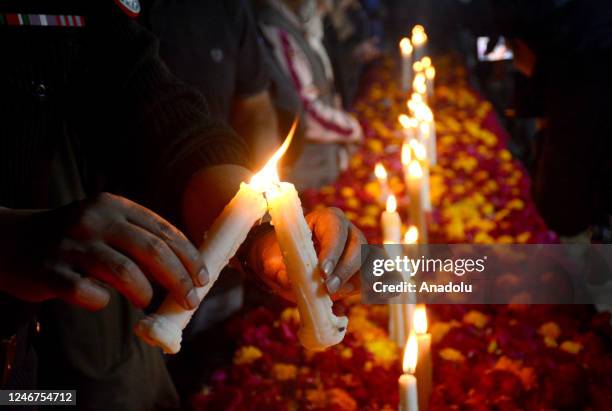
x=500, y=52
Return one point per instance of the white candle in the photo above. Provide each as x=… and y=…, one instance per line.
x=424, y=368
x=419, y=84
x=419, y=42
x=221, y=242
x=420, y=154
x=228, y=232
x=391, y=223
x=406, y=51
x=408, y=393
x=409, y=125
x=414, y=186
x=430, y=74
x=381, y=176
x=320, y=328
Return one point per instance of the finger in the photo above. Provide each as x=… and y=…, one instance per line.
x=157, y=260
x=330, y=229
x=186, y=252
x=349, y=262
x=68, y=285
x=115, y=269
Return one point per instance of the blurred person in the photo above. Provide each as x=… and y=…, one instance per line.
x=352, y=43
x=214, y=46
x=293, y=28
x=88, y=107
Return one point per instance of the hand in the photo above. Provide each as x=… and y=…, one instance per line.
x=63, y=253
x=338, y=244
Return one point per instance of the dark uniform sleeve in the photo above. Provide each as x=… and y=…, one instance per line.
x=251, y=68
x=152, y=131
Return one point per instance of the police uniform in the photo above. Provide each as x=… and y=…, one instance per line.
x=87, y=106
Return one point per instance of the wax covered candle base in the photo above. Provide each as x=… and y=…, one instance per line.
x=158, y=330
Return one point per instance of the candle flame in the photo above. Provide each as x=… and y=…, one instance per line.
x=411, y=352
x=426, y=62
x=405, y=46
x=268, y=175
x=380, y=171
x=419, y=37
x=391, y=204
x=407, y=121
x=415, y=170
x=417, y=66
x=420, y=319
x=419, y=150
x=412, y=235
x=406, y=154
x=430, y=73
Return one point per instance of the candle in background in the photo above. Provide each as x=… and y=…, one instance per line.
x=427, y=130
x=381, y=175
x=419, y=84
x=430, y=74
x=426, y=62
x=409, y=125
x=417, y=67
x=421, y=155
x=408, y=393
x=424, y=368
x=414, y=185
x=391, y=223
x=419, y=42
x=406, y=52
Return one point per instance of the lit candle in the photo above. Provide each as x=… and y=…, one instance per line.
x=421, y=155
x=381, y=175
x=426, y=62
x=424, y=368
x=391, y=222
x=320, y=327
x=430, y=74
x=419, y=40
x=406, y=51
x=409, y=125
x=419, y=84
x=424, y=115
x=221, y=242
x=414, y=186
x=408, y=393
x=230, y=229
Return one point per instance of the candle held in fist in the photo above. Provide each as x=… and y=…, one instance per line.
x=320, y=327
x=228, y=232
x=408, y=394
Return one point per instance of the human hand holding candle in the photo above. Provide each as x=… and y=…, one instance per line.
x=424, y=368
x=320, y=328
x=408, y=393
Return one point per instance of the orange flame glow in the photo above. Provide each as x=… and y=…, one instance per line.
x=412, y=235
x=411, y=352
x=420, y=319
x=268, y=175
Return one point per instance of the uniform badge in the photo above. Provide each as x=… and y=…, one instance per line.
x=129, y=7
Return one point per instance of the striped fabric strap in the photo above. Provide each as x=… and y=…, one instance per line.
x=50, y=20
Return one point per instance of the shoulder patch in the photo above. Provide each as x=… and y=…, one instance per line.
x=129, y=7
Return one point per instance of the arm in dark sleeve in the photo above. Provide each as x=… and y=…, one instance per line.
x=159, y=130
